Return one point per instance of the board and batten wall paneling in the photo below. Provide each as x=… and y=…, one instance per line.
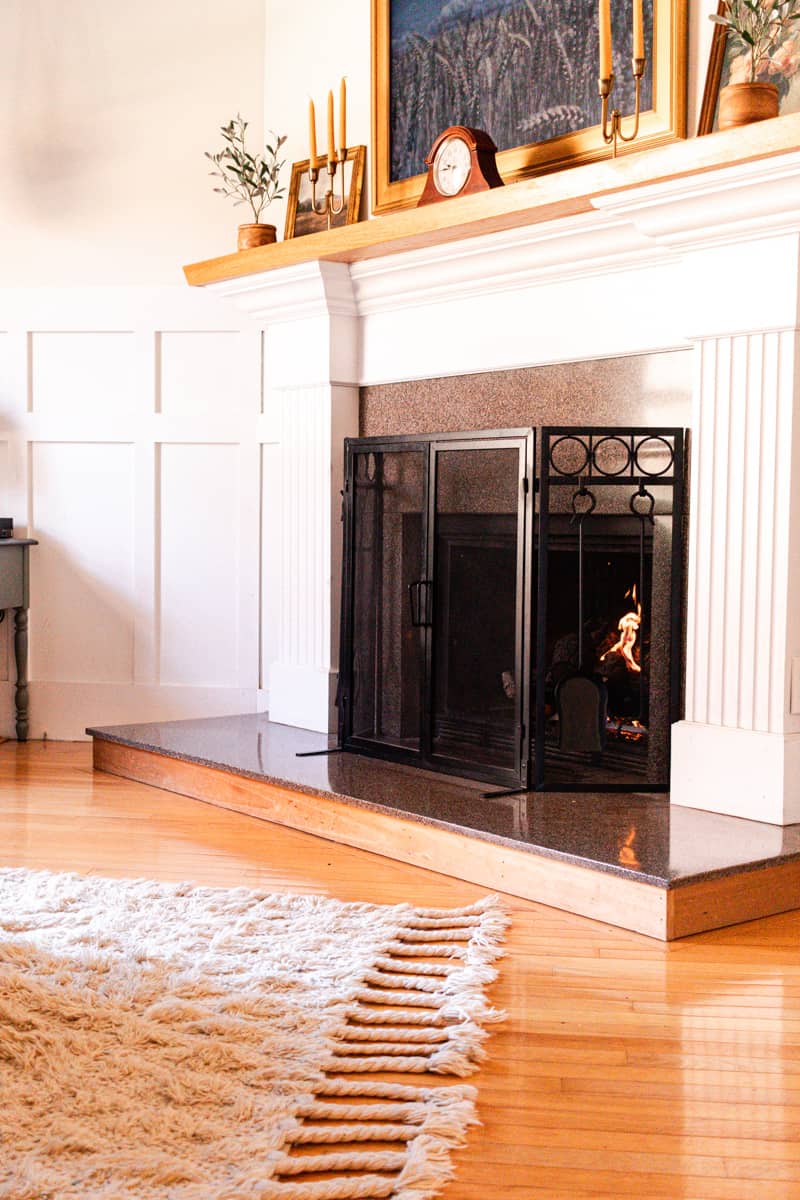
x=91, y=372
x=132, y=446
x=86, y=564
x=200, y=568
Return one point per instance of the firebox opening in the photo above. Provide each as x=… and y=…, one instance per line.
x=614, y=657
x=515, y=633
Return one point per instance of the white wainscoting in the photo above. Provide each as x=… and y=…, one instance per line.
x=133, y=445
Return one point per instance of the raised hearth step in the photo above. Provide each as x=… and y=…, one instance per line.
x=629, y=860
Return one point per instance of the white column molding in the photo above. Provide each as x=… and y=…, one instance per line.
x=738, y=750
x=311, y=348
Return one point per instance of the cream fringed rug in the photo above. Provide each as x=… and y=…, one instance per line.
x=187, y=1043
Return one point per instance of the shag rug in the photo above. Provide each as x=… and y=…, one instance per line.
x=192, y=1043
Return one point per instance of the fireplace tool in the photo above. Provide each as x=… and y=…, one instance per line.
x=581, y=700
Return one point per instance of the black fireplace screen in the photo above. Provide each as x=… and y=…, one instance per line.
x=514, y=625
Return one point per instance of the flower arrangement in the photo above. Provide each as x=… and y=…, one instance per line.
x=765, y=30
x=246, y=178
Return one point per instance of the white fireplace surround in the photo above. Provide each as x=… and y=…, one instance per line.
x=709, y=262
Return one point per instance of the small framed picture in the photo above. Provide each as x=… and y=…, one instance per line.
x=300, y=216
x=729, y=62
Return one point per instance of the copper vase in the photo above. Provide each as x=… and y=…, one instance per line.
x=743, y=103
x=256, y=235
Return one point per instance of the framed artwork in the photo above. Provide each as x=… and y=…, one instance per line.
x=301, y=218
x=728, y=63
x=525, y=71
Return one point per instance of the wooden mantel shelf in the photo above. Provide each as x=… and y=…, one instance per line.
x=545, y=198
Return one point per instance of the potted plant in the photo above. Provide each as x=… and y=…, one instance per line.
x=759, y=26
x=248, y=179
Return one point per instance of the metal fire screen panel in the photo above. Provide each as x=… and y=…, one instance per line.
x=521, y=634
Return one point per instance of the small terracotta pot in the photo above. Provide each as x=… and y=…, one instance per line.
x=256, y=235
x=743, y=103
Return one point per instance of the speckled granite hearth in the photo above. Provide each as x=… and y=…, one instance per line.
x=632, y=860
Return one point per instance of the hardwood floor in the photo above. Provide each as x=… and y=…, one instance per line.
x=626, y=1068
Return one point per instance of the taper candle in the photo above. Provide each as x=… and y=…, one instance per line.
x=331, y=139
x=638, y=30
x=342, y=116
x=312, y=134
x=606, y=69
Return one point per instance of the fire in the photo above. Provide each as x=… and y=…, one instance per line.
x=627, y=854
x=628, y=632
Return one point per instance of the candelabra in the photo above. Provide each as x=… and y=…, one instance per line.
x=612, y=122
x=331, y=204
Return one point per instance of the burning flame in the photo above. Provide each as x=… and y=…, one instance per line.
x=627, y=854
x=628, y=631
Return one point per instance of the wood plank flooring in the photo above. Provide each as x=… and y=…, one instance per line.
x=626, y=1068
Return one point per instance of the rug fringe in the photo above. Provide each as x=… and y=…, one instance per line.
x=354, y=1187
x=409, y=1016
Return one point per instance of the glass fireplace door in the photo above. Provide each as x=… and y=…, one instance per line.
x=436, y=602
x=383, y=636
x=476, y=561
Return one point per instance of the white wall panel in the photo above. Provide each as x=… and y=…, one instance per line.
x=5, y=490
x=82, y=578
x=7, y=627
x=203, y=373
x=82, y=374
x=5, y=374
x=199, y=564
x=129, y=621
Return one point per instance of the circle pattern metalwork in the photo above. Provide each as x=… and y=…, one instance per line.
x=569, y=455
x=611, y=456
x=658, y=449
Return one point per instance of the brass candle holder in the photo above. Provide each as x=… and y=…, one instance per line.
x=612, y=121
x=331, y=205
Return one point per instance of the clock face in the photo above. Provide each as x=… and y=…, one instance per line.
x=452, y=165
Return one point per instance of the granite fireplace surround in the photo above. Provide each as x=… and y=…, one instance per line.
x=475, y=731
x=669, y=302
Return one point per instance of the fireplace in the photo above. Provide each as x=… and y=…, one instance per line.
x=512, y=621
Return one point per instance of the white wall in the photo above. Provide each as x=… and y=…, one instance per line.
x=131, y=442
x=307, y=56
x=308, y=50
x=105, y=112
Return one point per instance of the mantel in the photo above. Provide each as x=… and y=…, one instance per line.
x=529, y=202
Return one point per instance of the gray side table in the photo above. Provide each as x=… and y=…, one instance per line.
x=14, y=594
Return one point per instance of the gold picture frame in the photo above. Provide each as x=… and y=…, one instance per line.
x=300, y=220
x=722, y=59
x=664, y=122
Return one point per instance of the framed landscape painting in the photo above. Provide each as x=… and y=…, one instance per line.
x=525, y=71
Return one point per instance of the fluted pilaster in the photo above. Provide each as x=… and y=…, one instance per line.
x=737, y=751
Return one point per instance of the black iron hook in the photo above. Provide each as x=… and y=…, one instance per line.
x=645, y=514
x=583, y=492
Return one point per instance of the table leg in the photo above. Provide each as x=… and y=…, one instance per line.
x=21, y=655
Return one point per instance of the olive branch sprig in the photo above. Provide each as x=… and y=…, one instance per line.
x=757, y=25
x=247, y=178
